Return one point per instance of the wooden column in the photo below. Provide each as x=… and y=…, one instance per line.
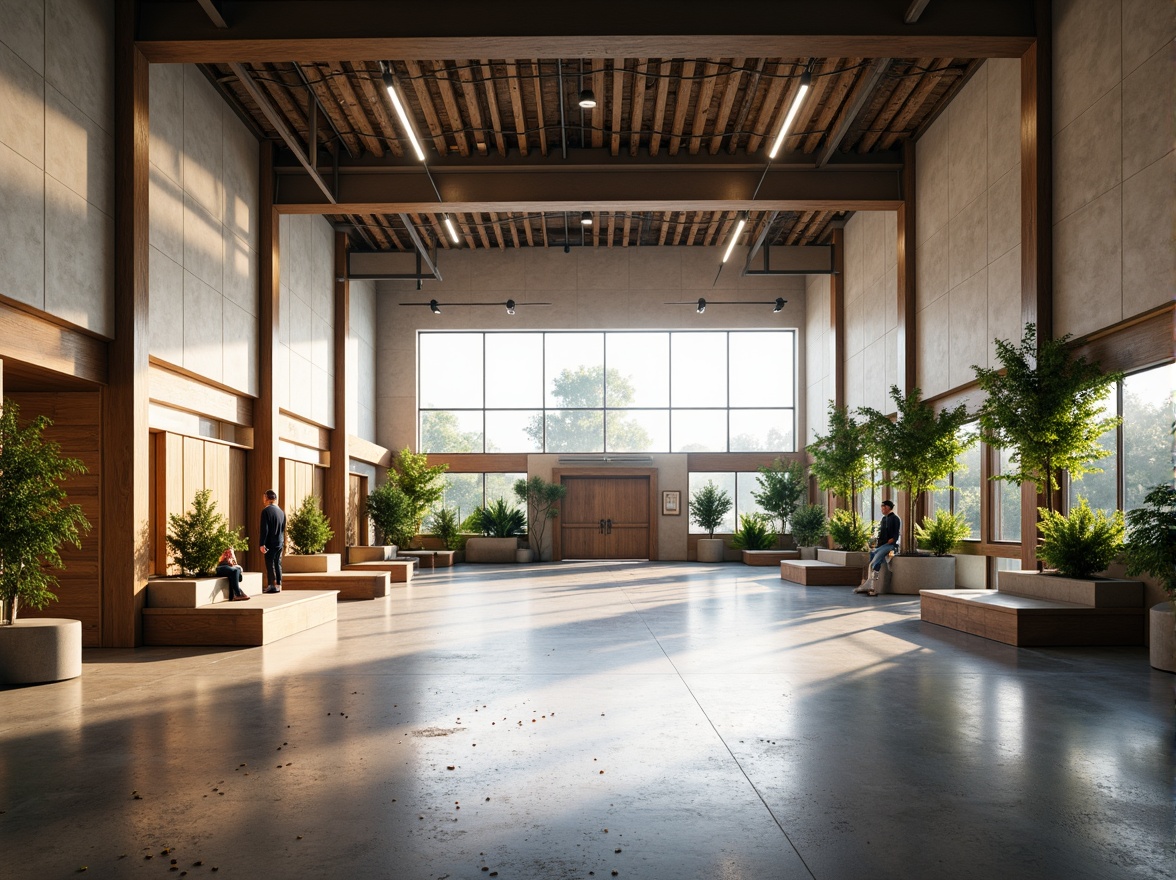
x=262, y=467
x=837, y=316
x=336, y=484
x=1036, y=219
x=125, y=455
x=906, y=272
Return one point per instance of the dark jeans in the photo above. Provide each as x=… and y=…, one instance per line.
x=273, y=566
x=233, y=573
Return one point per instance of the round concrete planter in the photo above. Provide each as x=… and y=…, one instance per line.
x=909, y=574
x=524, y=555
x=711, y=549
x=40, y=650
x=1162, y=647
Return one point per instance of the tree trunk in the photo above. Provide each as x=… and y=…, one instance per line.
x=10, y=607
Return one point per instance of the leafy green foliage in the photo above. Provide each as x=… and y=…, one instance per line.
x=1151, y=537
x=500, y=520
x=1045, y=405
x=198, y=538
x=541, y=498
x=708, y=506
x=34, y=518
x=308, y=528
x=393, y=512
x=841, y=458
x=1081, y=544
x=849, y=532
x=918, y=448
x=809, y=525
x=754, y=533
x=421, y=484
x=444, y=525
x=941, y=533
x=575, y=422
x=781, y=489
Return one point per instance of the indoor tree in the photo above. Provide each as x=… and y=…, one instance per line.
x=421, y=484
x=781, y=489
x=841, y=458
x=35, y=519
x=198, y=537
x=393, y=512
x=1047, y=406
x=309, y=530
x=542, y=499
x=919, y=448
x=708, y=506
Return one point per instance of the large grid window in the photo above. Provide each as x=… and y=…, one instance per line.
x=615, y=391
x=465, y=492
x=960, y=492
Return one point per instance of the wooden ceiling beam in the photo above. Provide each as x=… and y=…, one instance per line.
x=658, y=123
x=681, y=104
x=267, y=30
x=597, y=114
x=449, y=101
x=618, y=102
x=914, y=102
x=355, y=110
x=726, y=103
x=421, y=88
x=514, y=87
x=853, y=106
x=769, y=108
x=540, y=117
x=491, y=88
x=706, y=92
x=376, y=99
x=902, y=91
x=637, y=105
x=465, y=74
x=317, y=82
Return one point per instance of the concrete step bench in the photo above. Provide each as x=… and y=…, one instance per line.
x=814, y=573
x=1026, y=621
x=350, y=584
x=190, y=592
x=768, y=557
x=261, y=620
x=400, y=571
x=429, y=558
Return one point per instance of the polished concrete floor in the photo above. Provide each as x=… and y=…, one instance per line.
x=591, y=720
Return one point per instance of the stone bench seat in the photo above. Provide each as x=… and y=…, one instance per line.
x=1027, y=621
x=400, y=571
x=815, y=573
x=261, y=620
x=430, y=558
x=349, y=584
x=768, y=557
x=189, y=592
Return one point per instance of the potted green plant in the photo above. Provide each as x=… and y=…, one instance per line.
x=198, y=537
x=809, y=528
x=308, y=531
x=421, y=484
x=1151, y=549
x=754, y=534
x=708, y=506
x=849, y=533
x=841, y=458
x=1046, y=406
x=781, y=488
x=35, y=521
x=919, y=448
x=394, y=515
x=500, y=524
x=542, y=499
x=939, y=534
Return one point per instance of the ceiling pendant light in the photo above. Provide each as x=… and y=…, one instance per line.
x=587, y=99
x=586, y=218
x=735, y=237
x=806, y=80
x=405, y=123
x=452, y=231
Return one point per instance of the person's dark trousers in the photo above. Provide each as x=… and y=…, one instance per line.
x=273, y=567
x=233, y=573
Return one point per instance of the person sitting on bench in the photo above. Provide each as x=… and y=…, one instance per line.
x=227, y=567
x=889, y=529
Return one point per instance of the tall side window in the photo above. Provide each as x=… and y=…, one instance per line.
x=960, y=492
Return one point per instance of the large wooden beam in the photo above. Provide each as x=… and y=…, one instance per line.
x=37, y=339
x=862, y=91
x=125, y=454
x=336, y=484
x=262, y=468
x=265, y=30
x=906, y=342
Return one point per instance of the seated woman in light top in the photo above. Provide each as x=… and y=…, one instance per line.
x=227, y=567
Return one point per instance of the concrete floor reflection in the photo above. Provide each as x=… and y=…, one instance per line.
x=653, y=720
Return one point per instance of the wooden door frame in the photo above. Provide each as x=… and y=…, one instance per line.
x=558, y=474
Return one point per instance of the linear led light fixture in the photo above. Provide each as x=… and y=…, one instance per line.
x=406, y=124
x=452, y=230
x=734, y=238
x=806, y=80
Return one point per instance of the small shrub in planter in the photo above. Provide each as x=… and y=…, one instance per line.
x=781, y=488
x=1082, y=543
x=393, y=512
x=708, y=506
x=197, y=538
x=444, y=526
x=809, y=525
x=500, y=520
x=754, y=533
x=940, y=533
x=308, y=528
x=1151, y=541
x=848, y=532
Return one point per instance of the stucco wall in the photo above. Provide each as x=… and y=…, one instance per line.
x=361, y=361
x=304, y=356
x=871, y=309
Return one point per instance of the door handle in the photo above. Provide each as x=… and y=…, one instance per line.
x=602, y=527
x=608, y=523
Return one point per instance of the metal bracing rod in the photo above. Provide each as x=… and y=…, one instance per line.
x=563, y=128
x=759, y=241
x=422, y=250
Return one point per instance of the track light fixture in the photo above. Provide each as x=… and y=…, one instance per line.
x=398, y=106
x=587, y=99
x=806, y=81
x=434, y=307
x=452, y=231
x=735, y=237
x=585, y=218
x=510, y=306
x=700, y=304
x=780, y=303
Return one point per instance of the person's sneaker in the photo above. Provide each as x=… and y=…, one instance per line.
x=273, y=589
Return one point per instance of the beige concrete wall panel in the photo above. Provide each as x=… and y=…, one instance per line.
x=968, y=248
x=22, y=107
x=240, y=211
x=933, y=349
x=931, y=267
x=698, y=268
x=1149, y=217
x=203, y=244
x=1088, y=267
x=167, y=120
x=874, y=387
x=22, y=229
x=24, y=31
x=855, y=332
x=166, y=318
x=79, y=264
x=855, y=380
x=889, y=295
x=854, y=256
x=968, y=146
x=874, y=245
x=301, y=385
x=239, y=336
x=78, y=152
x=1004, y=301
x=202, y=151
x=603, y=269
x=501, y=269
x=931, y=181
x=79, y=55
x=1087, y=155
x=300, y=318
x=1087, y=55
x=320, y=342
x=241, y=273
x=1148, y=26
x=890, y=227
x=545, y=269
x=203, y=322
x=281, y=372
x=891, y=377
x=1149, y=125
x=969, y=329
x=1004, y=116
x=166, y=214
x=1004, y=214
x=874, y=311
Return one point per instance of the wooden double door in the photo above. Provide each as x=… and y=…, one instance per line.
x=605, y=517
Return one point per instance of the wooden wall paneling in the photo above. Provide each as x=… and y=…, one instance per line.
x=124, y=424
x=175, y=502
x=358, y=531
x=335, y=491
x=237, y=500
x=906, y=342
x=37, y=339
x=193, y=468
x=477, y=463
x=736, y=461
x=174, y=389
x=263, y=459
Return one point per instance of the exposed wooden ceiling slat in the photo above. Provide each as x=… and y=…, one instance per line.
x=473, y=108
x=490, y=89
x=737, y=134
x=598, y=110
x=711, y=236
x=421, y=88
x=730, y=93
x=808, y=110
x=376, y=102
x=706, y=92
x=798, y=228
x=480, y=227
x=449, y=101
x=833, y=101
x=618, y=94
x=862, y=89
x=913, y=103
x=496, y=228
x=331, y=105
x=626, y=230
x=516, y=105
x=637, y=105
x=665, y=228
x=761, y=128
x=658, y=123
x=540, y=117
x=681, y=105
x=612, y=234
x=343, y=83
x=898, y=95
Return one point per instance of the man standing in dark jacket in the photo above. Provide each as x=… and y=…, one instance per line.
x=889, y=529
x=273, y=538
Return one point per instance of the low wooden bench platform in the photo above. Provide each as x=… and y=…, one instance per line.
x=350, y=584
x=814, y=573
x=768, y=557
x=1026, y=621
x=261, y=620
x=400, y=571
x=430, y=558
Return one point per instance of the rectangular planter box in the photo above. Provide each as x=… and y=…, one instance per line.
x=1095, y=593
x=378, y=553
x=850, y=558
x=312, y=563
x=909, y=574
x=493, y=550
x=768, y=557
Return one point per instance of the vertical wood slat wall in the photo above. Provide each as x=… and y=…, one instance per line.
x=298, y=479
x=76, y=428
